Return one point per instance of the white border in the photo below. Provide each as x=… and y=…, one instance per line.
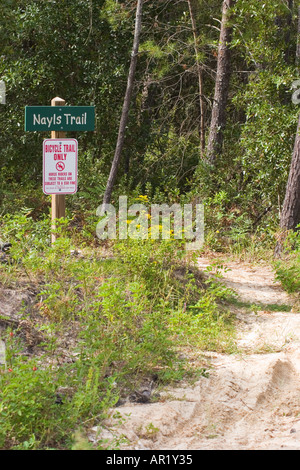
x=76, y=165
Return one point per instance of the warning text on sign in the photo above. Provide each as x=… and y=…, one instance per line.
x=60, y=160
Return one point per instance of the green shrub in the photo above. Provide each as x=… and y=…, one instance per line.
x=288, y=270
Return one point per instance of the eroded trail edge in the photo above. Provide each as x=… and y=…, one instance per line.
x=251, y=400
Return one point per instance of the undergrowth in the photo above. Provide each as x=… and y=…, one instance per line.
x=288, y=267
x=106, y=315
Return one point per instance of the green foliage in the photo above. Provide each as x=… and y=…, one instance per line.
x=90, y=53
x=288, y=270
x=28, y=412
x=82, y=67
x=126, y=315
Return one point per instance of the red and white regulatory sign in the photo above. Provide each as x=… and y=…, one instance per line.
x=60, y=157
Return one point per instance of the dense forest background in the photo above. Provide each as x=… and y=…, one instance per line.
x=86, y=323
x=80, y=50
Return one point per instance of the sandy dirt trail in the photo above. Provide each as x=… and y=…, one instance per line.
x=250, y=400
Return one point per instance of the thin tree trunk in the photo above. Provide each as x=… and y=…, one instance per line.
x=284, y=23
x=200, y=80
x=290, y=214
x=298, y=40
x=289, y=49
x=218, y=118
x=126, y=105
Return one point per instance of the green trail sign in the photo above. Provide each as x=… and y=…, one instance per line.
x=59, y=118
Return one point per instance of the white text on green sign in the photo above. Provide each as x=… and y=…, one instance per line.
x=59, y=118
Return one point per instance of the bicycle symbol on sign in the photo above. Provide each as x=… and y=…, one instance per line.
x=60, y=166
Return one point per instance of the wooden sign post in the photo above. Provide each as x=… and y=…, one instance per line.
x=59, y=120
x=58, y=201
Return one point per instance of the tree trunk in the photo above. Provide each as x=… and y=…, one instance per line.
x=218, y=118
x=298, y=40
x=200, y=80
x=290, y=215
x=126, y=105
